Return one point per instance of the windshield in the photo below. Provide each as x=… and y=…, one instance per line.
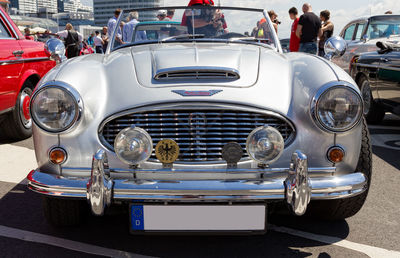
x=381, y=27
x=197, y=23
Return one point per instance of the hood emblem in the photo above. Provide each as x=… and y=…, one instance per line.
x=197, y=93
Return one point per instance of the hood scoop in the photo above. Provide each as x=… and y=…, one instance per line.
x=197, y=73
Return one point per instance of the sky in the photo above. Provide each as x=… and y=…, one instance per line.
x=342, y=11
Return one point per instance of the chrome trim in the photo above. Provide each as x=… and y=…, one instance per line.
x=24, y=60
x=365, y=65
x=321, y=91
x=196, y=73
x=7, y=110
x=72, y=92
x=101, y=188
x=196, y=106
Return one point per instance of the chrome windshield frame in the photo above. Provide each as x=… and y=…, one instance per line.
x=277, y=44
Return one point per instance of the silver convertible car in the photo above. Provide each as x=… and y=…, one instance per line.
x=206, y=130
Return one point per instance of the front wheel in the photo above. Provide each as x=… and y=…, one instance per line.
x=373, y=112
x=18, y=123
x=347, y=207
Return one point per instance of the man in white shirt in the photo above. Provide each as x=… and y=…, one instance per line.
x=98, y=43
x=72, y=40
x=129, y=29
x=112, y=23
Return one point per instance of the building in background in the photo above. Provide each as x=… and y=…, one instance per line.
x=104, y=9
x=25, y=6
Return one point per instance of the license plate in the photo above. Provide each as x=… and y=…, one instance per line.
x=197, y=218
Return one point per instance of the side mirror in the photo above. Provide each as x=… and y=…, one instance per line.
x=335, y=46
x=364, y=38
x=56, y=49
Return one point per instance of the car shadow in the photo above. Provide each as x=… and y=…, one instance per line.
x=388, y=149
x=22, y=209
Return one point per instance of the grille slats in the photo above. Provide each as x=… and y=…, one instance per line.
x=197, y=74
x=200, y=135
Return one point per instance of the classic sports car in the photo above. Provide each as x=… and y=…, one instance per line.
x=362, y=35
x=378, y=76
x=22, y=64
x=201, y=132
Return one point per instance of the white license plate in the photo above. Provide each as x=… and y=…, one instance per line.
x=183, y=218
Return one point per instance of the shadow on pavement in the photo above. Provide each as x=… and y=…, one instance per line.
x=22, y=209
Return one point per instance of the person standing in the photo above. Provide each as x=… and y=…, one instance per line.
x=72, y=40
x=308, y=30
x=90, y=40
x=170, y=14
x=274, y=18
x=327, y=31
x=129, y=29
x=104, y=37
x=294, y=43
x=111, y=25
x=98, y=43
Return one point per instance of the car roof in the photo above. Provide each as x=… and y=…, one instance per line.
x=366, y=18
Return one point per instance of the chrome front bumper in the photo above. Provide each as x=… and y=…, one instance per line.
x=292, y=184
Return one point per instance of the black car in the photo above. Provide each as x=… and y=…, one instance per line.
x=378, y=76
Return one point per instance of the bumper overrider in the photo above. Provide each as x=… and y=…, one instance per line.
x=291, y=184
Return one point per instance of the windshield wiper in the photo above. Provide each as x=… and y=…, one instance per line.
x=184, y=36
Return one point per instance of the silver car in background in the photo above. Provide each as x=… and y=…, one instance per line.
x=362, y=35
x=200, y=130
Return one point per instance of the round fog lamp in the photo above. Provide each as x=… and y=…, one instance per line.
x=336, y=154
x=133, y=145
x=265, y=144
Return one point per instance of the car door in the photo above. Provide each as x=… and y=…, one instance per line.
x=348, y=35
x=11, y=65
x=389, y=81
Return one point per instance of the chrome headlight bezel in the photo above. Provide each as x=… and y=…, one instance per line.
x=76, y=98
x=316, y=101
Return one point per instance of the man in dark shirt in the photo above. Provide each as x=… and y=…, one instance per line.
x=308, y=30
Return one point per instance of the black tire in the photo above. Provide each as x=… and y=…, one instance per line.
x=64, y=212
x=344, y=208
x=13, y=127
x=373, y=112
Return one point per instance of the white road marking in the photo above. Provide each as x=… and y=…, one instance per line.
x=16, y=162
x=64, y=243
x=371, y=251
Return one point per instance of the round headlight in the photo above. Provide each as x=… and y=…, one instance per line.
x=55, y=109
x=133, y=145
x=265, y=145
x=338, y=109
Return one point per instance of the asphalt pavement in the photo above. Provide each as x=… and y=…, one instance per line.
x=373, y=232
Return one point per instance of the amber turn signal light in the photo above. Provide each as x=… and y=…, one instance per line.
x=57, y=156
x=336, y=154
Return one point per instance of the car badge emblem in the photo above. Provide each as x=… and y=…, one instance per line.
x=197, y=93
x=167, y=151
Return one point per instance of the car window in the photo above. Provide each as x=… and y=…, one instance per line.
x=3, y=31
x=360, y=30
x=348, y=34
x=383, y=28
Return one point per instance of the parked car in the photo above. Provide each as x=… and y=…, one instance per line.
x=378, y=76
x=201, y=132
x=362, y=35
x=22, y=64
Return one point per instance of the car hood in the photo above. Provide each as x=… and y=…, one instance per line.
x=191, y=64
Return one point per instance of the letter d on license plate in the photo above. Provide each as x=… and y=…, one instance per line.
x=197, y=218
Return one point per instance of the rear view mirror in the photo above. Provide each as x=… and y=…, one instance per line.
x=335, y=46
x=56, y=49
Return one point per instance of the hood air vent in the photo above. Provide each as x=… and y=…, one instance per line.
x=197, y=74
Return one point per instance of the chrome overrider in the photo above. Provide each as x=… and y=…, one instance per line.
x=292, y=184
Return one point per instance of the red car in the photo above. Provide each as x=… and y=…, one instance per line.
x=22, y=63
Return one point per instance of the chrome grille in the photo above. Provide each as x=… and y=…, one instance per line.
x=200, y=135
